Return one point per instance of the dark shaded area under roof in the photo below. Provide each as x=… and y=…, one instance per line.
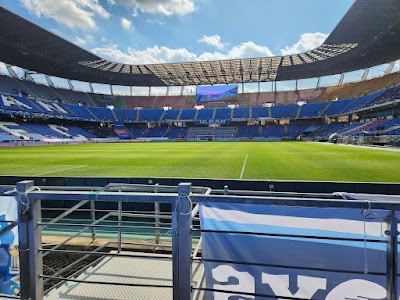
x=368, y=35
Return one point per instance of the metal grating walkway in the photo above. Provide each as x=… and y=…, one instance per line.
x=126, y=270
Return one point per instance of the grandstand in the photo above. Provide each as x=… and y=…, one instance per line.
x=25, y=109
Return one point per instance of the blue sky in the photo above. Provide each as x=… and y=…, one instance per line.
x=154, y=31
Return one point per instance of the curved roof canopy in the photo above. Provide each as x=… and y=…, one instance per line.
x=368, y=35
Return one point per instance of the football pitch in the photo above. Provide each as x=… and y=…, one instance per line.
x=233, y=160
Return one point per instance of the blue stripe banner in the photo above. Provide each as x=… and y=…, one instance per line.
x=293, y=252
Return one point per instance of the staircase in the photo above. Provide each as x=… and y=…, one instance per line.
x=90, y=112
x=162, y=116
x=23, y=86
x=90, y=100
x=196, y=115
x=214, y=113
x=351, y=103
x=114, y=115
x=179, y=115
x=324, y=109
x=137, y=115
x=298, y=111
x=166, y=132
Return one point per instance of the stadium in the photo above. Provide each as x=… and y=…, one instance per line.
x=143, y=195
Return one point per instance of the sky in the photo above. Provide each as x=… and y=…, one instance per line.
x=159, y=31
x=163, y=31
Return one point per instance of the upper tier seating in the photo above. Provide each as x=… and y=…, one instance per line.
x=284, y=111
x=390, y=94
x=361, y=102
x=241, y=113
x=188, y=114
x=150, y=115
x=126, y=115
x=81, y=112
x=103, y=114
x=205, y=114
x=312, y=110
x=335, y=107
x=259, y=112
x=223, y=113
x=171, y=115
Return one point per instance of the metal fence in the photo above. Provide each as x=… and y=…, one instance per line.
x=183, y=204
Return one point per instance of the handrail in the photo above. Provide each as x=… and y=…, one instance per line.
x=75, y=235
x=182, y=214
x=66, y=213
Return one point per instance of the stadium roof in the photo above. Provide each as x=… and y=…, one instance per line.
x=368, y=35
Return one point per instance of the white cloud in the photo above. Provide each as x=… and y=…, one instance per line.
x=151, y=55
x=126, y=24
x=83, y=41
x=79, y=41
x=155, y=21
x=245, y=50
x=249, y=49
x=164, y=7
x=72, y=13
x=213, y=40
x=308, y=41
x=157, y=54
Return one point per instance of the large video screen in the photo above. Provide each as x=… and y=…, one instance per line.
x=216, y=93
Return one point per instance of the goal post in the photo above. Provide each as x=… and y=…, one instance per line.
x=204, y=138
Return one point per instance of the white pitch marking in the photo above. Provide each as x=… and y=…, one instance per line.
x=63, y=169
x=244, y=166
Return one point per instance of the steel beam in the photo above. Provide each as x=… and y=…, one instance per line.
x=23, y=219
x=182, y=244
x=391, y=257
x=35, y=256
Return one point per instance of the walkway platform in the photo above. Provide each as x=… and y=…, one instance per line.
x=126, y=270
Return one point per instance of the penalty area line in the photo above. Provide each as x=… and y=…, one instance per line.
x=62, y=169
x=244, y=166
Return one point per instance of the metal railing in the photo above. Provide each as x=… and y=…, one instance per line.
x=184, y=207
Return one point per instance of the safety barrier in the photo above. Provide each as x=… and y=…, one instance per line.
x=183, y=203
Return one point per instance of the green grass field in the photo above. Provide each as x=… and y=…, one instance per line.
x=275, y=160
